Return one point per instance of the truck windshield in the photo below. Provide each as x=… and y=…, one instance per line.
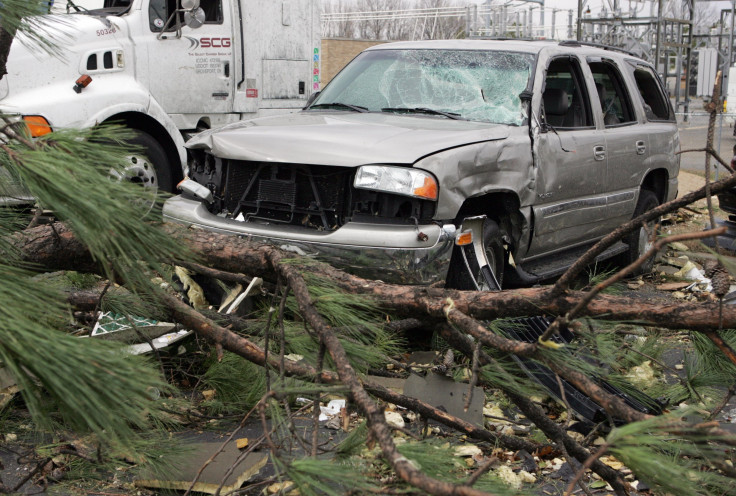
x=92, y=7
x=468, y=84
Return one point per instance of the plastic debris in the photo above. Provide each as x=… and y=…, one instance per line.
x=161, y=342
x=331, y=410
x=126, y=328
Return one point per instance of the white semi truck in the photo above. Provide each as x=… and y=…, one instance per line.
x=166, y=69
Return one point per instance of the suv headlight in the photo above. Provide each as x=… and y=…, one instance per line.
x=398, y=180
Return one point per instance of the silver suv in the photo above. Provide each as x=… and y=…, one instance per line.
x=479, y=163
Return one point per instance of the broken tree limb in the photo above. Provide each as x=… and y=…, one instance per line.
x=713, y=153
x=612, y=404
x=620, y=275
x=40, y=247
x=192, y=319
x=374, y=415
x=563, y=283
x=428, y=411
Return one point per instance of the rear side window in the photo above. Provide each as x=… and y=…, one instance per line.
x=656, y=104
x=612, y=94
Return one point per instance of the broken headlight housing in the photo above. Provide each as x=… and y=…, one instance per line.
x=398, y=180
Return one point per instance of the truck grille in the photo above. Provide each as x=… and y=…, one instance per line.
x=309, y=195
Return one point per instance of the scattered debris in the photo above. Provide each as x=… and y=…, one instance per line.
x=394, y=419
x=194, y=291
x=446, y=394
x=128, y=329
x=161, y=342
x=214, y=478
x=331, y=410
x=8, y=387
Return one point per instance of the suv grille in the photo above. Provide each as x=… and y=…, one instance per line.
x=313, y=196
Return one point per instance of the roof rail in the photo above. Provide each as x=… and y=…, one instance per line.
x=506, y=38
x=597, y=45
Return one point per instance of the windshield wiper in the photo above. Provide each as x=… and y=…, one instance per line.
x=424, y=110
x=340, y=105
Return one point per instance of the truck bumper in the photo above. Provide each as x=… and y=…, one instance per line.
x=390, y=253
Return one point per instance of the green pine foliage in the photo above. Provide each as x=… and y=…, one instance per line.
x=94, y=384
x=674, y=455
x=316, y=477
x=238, y=383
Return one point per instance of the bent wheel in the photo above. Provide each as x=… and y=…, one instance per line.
x=478, y=266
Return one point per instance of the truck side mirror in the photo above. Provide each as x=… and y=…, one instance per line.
x=189, y=4
x=194, y=18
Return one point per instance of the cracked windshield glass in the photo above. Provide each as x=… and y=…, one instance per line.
x=474, y=85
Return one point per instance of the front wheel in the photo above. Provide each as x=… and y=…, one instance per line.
x=151, y=167
x=640, y=241
x=479, y=266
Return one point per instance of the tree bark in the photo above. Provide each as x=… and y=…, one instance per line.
x=54, y=247
x=6, y=40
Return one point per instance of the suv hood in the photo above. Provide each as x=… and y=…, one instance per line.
x=343, y=138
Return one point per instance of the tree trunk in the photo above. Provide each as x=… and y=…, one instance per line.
x=6, y=39
x=54, y=247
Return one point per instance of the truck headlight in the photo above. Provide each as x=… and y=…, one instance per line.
x=398, y=180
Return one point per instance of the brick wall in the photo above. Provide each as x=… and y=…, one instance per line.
x=337, y=52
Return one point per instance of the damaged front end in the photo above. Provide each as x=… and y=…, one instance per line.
x=321, y=198
x=337, y=214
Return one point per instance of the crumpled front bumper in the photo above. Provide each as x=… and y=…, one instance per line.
x=397, y=254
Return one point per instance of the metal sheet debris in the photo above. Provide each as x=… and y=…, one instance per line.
x=446, y=394
x=214, y=476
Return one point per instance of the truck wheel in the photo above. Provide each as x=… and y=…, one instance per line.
x=639, y=241
x=150, y=168
x=466, y=273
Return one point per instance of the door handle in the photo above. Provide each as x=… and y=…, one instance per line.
x=641, y=148
x=599, y=152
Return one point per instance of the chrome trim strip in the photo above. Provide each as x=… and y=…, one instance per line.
x=573, y=205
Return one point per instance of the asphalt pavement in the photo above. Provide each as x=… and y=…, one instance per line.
x=693, y=135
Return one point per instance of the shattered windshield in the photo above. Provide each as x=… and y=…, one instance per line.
x=466, y=84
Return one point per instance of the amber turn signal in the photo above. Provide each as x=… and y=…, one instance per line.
x=427, y=190
x=464, y=238
x=37, y=125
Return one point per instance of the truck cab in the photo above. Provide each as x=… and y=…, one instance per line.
x=164, y=68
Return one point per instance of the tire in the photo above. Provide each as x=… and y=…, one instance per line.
x=639, y=241
x=466, y=273
x=151, y=168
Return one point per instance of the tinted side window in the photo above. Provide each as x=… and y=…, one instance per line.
x=612, y=94
x=656, y=105
x=160, y=10
x=565, y=101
